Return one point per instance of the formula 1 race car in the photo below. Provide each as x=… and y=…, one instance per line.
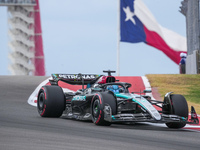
x=106, y=101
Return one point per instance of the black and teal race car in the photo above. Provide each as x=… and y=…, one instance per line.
x=106, y=101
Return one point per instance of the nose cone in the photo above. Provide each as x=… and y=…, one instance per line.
x=156, y=115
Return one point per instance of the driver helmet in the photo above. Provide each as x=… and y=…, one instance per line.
x=114, y=88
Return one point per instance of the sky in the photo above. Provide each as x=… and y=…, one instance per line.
x=81, y=37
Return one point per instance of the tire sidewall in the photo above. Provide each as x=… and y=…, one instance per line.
x=41, y=109
x=100, y=118
x=53, y=101
x=179, y=108
x=104, y=98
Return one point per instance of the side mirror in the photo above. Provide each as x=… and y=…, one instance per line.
x=147, y=91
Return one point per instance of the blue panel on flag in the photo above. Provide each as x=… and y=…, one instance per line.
x=131, y=28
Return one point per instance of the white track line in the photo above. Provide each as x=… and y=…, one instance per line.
x=33, y=96
x=147, y=86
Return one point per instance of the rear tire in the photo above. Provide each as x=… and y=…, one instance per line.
x=51, y=101
x=97, y=107
x=178, y=107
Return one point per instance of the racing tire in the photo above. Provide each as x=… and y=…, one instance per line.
x=179, y=107
x=51, y=101
x=97, y=107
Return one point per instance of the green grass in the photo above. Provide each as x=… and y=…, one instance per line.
x=186, y=85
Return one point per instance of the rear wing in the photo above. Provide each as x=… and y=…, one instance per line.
x=75, y=79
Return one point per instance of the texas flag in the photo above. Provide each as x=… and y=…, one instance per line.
x=137, y=24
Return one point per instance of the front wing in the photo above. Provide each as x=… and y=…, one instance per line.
x=145, y=117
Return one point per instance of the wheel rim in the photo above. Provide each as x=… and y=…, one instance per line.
x=95, y=108
x=41, y=101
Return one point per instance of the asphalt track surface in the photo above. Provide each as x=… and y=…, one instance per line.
x=21, y=128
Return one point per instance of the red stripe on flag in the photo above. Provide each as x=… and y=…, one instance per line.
x=155, y=40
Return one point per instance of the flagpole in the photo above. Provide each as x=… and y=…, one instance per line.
x=118, y=41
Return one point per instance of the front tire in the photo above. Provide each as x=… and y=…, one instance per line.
x=51, y=101
x=178, y=106
x=97, y=107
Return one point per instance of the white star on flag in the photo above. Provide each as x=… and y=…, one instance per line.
x=129, y=14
